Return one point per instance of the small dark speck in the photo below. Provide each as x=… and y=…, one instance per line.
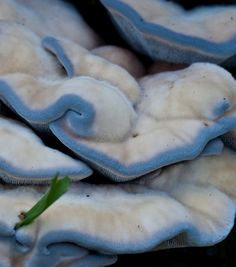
x=209, y=194
x=135, y=135
x=87, y=195
x=138, y=226
x=224, y=98
x=231, y=18
x=21, y=216
x=206, y=124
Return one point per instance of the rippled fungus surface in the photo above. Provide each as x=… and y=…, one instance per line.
x=168, y=137
x=164, y=30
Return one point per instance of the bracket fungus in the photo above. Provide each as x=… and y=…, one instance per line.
x=177, y=115
x=163, y=30
x=188, y=204
x=163, y=135
x=79, y=61
x=83, y=101
x=27, y=160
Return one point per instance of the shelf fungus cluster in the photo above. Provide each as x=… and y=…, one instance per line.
x=165, y=142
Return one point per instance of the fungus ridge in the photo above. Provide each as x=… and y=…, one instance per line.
x=165, y=31
x=187, y=204
x=178, y=114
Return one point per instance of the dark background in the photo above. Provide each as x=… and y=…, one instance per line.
x=221, y=255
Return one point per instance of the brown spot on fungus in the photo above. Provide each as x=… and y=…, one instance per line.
x=135, y=135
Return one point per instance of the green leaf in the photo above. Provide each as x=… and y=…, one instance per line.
x=57, y=189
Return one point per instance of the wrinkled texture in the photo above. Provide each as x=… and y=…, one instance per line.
x=178, y=114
